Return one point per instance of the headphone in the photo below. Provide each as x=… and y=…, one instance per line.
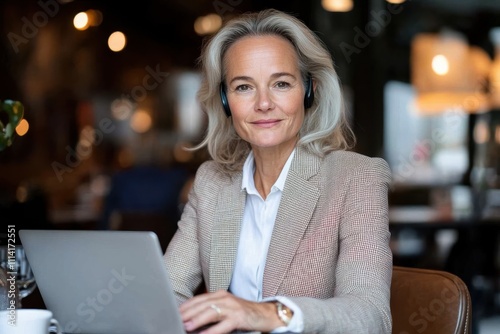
x=308, y=97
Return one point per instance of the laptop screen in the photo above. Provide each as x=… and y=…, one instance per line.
x=98, y=282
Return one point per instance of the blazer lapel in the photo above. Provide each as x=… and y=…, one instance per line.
x=226, y=233
x=299, y=199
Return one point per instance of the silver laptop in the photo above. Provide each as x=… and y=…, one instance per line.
x=103, y=282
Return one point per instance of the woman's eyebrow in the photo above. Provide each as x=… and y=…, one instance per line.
x=241, y=77
x=282, y=74
x=273, y=76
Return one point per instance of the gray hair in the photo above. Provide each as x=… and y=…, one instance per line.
x=325, y=126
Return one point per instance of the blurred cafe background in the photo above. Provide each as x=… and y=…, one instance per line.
x=109, y=95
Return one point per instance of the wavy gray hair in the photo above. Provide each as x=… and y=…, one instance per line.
x=325, y=126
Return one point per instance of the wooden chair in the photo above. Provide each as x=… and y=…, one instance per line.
x=427, y=301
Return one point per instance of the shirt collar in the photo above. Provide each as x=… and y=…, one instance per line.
x=249, y=169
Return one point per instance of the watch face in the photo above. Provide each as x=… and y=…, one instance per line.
x=284, y=313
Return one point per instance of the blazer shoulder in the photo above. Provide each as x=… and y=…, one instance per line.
x=209, y=172
x=354, y=162
x=354, y=158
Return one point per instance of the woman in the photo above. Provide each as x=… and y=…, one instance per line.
x=287, y=230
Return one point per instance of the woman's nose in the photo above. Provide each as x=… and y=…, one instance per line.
x=264, y=100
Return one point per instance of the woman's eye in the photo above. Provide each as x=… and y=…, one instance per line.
x=282, y=84
x=242, y=88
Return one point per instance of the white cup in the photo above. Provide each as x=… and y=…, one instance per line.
x=24, y=321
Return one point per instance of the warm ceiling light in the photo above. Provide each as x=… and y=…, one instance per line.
x=141, y=121
x=396, y=2
x=445, y=73
x=440, y=65
x=205, y=25
x=81, y=21
x=117, y=41
x=337, y=5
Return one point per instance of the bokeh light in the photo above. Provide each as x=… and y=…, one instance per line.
x=81, y=21
x=117, y=41
x=22, y=128
x=440, y=65
x=337, y=5
x=141, y=121
x=205, y=25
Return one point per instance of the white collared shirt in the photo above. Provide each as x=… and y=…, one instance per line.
x=256, y=230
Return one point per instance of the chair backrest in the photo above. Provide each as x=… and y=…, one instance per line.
x=427, y=301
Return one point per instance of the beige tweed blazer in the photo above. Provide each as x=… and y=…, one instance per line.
x=329, y=251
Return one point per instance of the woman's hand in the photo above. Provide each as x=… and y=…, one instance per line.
x=227, y=313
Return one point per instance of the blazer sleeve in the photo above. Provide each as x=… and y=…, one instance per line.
x=182, y=257
x=361, y=302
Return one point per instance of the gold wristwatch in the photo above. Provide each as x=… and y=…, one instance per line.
x=284, y=313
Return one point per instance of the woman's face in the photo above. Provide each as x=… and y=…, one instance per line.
x=265, y=91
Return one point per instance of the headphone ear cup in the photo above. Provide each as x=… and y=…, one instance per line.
x=309, y=96
x=223, y=99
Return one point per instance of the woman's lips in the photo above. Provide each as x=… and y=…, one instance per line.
x=266, y=123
